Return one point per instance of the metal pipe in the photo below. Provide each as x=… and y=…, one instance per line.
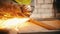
x=42, y=24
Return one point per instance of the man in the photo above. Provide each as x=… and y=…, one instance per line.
x=9, y=9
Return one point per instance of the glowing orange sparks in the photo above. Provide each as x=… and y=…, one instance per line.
x=13, y=23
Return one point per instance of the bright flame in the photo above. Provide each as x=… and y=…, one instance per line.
x=13, y=23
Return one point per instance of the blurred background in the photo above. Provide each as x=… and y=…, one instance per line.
x=45, y=11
